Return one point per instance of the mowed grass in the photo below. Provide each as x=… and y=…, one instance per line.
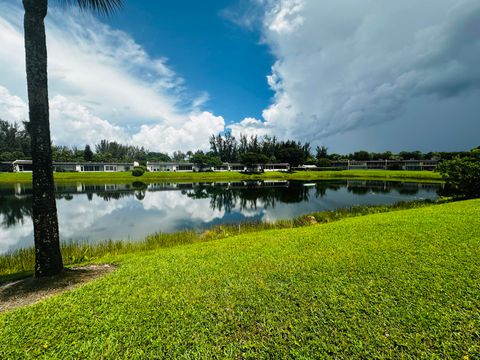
x=151, y=177
x=403, y=284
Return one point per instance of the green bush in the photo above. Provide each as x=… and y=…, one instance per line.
x=138, y=171
x=462, y=177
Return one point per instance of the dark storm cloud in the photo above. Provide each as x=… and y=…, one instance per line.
x=350, y=66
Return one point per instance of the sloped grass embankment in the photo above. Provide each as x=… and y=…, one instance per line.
x=398, y=284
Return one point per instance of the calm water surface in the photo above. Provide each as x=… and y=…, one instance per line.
x=131, y=211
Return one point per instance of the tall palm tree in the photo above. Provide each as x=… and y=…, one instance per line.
x=48, y=259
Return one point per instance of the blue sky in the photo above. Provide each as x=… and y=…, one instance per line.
x=207, y=49
x=373, y=75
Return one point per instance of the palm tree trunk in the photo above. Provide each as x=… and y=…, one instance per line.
x=48, y=259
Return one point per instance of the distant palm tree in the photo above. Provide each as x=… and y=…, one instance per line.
x=48, y=259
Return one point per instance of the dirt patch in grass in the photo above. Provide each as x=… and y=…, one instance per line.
x=30, y=290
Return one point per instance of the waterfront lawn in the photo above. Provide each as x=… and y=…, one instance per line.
x=402, y=284
x=151, y=177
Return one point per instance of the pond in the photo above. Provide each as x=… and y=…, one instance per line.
x=132, y=211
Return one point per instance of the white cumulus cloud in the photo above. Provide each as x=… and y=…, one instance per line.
x=189, y=135
x=74, y=123
x=12, y=107
x=102, y=84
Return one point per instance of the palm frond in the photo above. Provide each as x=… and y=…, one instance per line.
x=104, y=7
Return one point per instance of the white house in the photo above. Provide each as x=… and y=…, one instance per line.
x=26, y=166
x=189, y=167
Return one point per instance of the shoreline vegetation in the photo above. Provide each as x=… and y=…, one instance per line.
x=398, y=284
x=155, y=177
x=20, y=263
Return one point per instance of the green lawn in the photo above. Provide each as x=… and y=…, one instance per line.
x=230, y=176
x=403, y=284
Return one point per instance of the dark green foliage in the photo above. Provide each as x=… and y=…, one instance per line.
x=322, y=152
x=475, y=153
x=462, y=177
x=14, y=142
x=205, y=161
x=225, y=147
x=229, y=150
x=361, y=155
x=178, y=156
x=293, y=153
x=387, y=155
x=250, y=158
x=88, y=153
x=113, y=151
x=411, y=155
x=138, y=171
x=107, y=151
x=324, y=162
x=157, y=157
x=64, y=153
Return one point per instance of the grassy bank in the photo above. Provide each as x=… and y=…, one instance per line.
x=402, y=284
x=126, y=177
x=21, y=262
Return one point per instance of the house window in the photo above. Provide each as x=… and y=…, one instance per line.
x=185, y=168
x=89, y=168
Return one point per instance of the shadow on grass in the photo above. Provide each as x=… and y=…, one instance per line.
x=29, y=290
x=4, y=279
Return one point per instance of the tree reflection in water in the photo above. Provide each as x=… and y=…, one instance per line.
x=14, y=210
x=16, y=202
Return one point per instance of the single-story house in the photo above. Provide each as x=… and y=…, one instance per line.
x=386, y=165
x=22, y=166
x=171, y=166
x=190, y=167
x=26, y=166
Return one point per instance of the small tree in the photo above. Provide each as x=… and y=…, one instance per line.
x=87, y=153
x=322, y=152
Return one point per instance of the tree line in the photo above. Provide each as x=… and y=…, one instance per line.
x=269, y=150
x=15, y=144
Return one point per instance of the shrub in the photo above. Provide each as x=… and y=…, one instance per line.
x=462, y=177
x=138, y=171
